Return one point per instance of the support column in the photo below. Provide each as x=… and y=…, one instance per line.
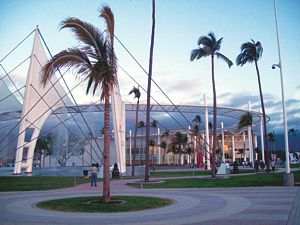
x=223, y=152
x=130, y=148
x=262, y=140
x=244, y=146
x=207, y=152
x=158, y=144
x=203, y=149
x=233, y=148
x=255, y=146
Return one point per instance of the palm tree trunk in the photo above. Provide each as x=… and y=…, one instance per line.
x=135, y=135
x=214, y=119
x=106, y=184
x=147, y=168
x=264, y=119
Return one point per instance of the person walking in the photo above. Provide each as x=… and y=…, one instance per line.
x=94, y=175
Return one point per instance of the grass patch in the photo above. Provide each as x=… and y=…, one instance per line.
x=179, y=173
x=255, y=180
x=38, y=183
x=95, y=204
x=188, y=173
x=297, y=177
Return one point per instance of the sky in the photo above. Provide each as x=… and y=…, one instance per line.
x=179, y=24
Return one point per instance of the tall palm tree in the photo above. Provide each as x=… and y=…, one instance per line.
x=252, y=52
x=94, y=61
x=209, y=46
x=147, y=167
x=137, y=94
x=246, y=121
x=108, y=17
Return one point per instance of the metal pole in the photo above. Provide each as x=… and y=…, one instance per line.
x=287, y=160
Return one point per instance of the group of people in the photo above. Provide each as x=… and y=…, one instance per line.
x=257, y=164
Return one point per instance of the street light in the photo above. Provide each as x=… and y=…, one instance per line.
x=288, y=178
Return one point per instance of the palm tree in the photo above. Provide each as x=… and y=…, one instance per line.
x=94, y=61
x=209, y=46
x=180, y=142
x=165, y=135
x=147, y=168
x=137, y=94
x=271, y=138
x=198, y=121
x=293, y=131
x=246, y=121
x=252, y=52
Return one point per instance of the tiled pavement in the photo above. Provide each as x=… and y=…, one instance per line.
x=234, y=206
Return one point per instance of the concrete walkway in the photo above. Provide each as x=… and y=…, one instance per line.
x=238, y=206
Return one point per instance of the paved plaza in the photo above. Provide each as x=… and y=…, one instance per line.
x=238, y=206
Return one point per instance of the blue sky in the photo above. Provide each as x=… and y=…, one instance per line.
x=179, y=24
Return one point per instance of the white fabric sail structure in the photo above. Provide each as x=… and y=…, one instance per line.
x=8, y=101
x=39, y=102
x=118, y=113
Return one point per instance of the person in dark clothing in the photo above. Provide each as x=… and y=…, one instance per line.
x=256, y=165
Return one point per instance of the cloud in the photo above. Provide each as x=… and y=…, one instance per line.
x=291, y=102
x=273, y=108
x=239, y=100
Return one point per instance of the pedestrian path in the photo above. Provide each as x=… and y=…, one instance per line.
x=222, y=206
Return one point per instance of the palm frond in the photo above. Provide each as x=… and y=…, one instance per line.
x=70, y=58
x=212, y=37
x=136, y=92
x=247, y=45
x=218, y=44
x=205, y=41
x=246, y=56
x=224, y=58
x=108, y=17
x=259, y=50
x=84, y=32
x=245, y=120
x=198, y=53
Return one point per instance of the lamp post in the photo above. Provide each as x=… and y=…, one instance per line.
x=288, y=178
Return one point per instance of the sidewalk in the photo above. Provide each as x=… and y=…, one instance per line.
x=222, y=206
